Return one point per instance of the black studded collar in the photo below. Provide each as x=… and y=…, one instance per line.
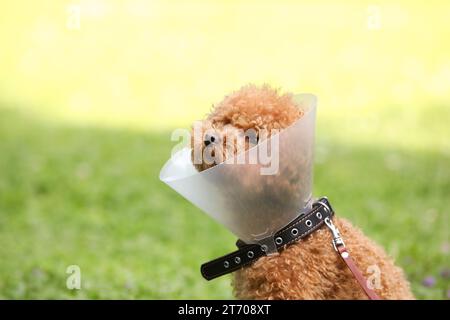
x=297, y=229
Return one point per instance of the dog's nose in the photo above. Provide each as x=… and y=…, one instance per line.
x=209, y=139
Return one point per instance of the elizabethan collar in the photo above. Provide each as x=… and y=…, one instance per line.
x=253, y=205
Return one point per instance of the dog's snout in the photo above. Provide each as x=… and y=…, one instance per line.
x=209, y=139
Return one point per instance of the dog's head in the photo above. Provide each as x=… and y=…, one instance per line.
x=243, y=119
x=239, y=122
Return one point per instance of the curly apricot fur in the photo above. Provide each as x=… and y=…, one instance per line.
x=310, y=268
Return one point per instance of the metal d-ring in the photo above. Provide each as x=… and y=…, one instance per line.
x=327, y=208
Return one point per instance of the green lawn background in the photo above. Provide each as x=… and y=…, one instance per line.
x=91, y=197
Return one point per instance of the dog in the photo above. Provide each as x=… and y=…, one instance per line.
x=309, y=268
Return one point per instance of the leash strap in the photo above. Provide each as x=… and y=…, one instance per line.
x=299, y=228
x=357, y=273
x=339, y=246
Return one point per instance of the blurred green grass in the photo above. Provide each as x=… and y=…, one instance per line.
x=91, y=197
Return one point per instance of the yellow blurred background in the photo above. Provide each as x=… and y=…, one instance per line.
x=163, y=63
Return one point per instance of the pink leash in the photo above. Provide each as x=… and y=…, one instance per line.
x=339, y=246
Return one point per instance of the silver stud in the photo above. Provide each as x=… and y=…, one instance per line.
x=294, y=232
x=264, y=248
x=226, y=264
x=278, y=240
x=308, y=223
x=319, y=215
x=250, y=254
x=237, y=260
